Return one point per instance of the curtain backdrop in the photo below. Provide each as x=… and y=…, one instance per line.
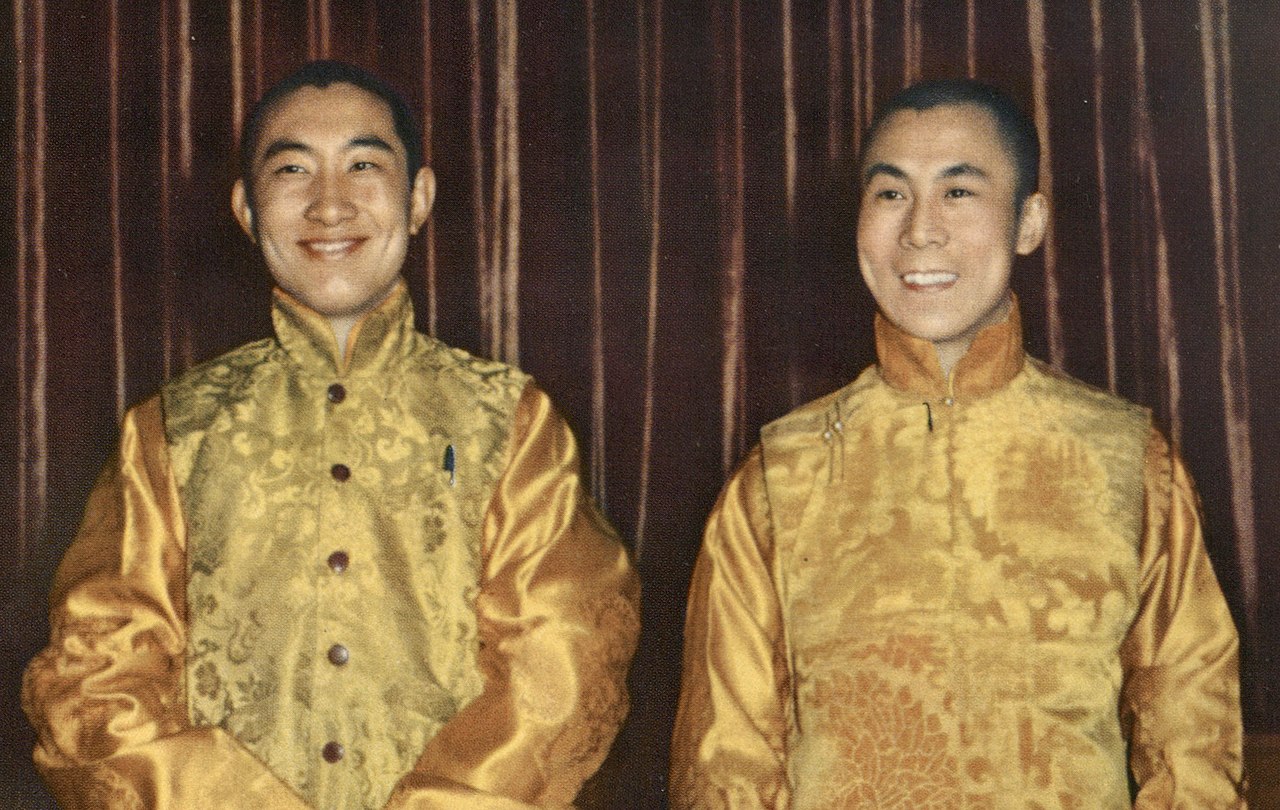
x=650, y=206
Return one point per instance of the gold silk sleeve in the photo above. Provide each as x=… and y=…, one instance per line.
x=558, y=618
x=1181, y=698
x=729, y=744
x=106, y=697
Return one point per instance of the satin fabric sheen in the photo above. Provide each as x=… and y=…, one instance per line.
x=983, y=592
x=488, y=610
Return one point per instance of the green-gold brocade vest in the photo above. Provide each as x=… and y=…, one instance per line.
x=956, y=576
x=334, y=516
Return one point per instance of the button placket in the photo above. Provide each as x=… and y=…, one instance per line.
x=336, y=583
x=336, y=394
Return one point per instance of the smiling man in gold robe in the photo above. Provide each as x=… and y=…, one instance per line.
x=346, y=566
x=965, y=580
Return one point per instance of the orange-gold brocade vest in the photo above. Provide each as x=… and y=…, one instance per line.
x=957, y=564
x=334, y=515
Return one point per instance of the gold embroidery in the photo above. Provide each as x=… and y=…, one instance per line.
x=942, y=611
x=253, y=440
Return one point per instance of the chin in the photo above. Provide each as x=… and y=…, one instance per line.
x=929, y=329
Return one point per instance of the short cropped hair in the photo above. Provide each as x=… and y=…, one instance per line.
x=321, y=74
x=1018, y=132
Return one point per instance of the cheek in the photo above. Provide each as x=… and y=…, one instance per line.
x=877, y=247
x=879, y=227
x=992, y=230
x=389, y=203
x=273, y=211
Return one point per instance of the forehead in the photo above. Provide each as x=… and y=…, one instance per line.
x=323, y=116
x=941, y=136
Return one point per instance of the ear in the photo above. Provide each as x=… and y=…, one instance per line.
x=1032, y=223
x=240, y=207
x=421, y=196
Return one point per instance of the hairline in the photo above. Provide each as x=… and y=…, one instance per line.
x=1011, y=123
x=321, y=75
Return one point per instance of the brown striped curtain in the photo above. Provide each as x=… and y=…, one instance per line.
x=650, y=206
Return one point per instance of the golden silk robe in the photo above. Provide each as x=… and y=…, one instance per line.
x=983, y=592
x=306, y=582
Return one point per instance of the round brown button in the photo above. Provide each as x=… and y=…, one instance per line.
x=332, y=752
x=340, y=472
x=338, y=561
x=338, y=655
x=336, y=393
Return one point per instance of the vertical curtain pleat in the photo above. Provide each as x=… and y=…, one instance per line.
x=653, y=173
x=32, y=272
x=185, y=80
x=1104, y=210
x=485, y=265
x=1040, y=110
x=236, y=24
x=1153, y=206
x=730, y=198
x=427, y=114
x=507, y=181
x=1233, y=363
x=598, y=402
x=117, y=247
x=790, y=125
x=165, y=154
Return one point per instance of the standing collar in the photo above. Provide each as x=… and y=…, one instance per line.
x=910, y=364
x=382, y=334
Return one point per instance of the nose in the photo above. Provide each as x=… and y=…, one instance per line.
x=330, y=203
x=924, y=226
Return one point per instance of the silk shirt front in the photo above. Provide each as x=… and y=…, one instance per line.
x=983, y=592
x=312, y=581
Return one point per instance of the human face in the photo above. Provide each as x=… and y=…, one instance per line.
x=939, y=224
x=333, y=209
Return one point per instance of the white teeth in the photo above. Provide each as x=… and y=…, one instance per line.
x=330, y=247
x=929, y=279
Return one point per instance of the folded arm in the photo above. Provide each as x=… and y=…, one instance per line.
x=558, y=615
x=106, y=696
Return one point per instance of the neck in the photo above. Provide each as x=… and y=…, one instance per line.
x=342, y=326
x=950, y=352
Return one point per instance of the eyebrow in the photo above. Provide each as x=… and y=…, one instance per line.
x=958, y=170
x=883, y=168
x=282, y=145
x=963, y=170
x=286, y=145
x=371, y=141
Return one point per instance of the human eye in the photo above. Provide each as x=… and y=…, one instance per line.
x=958, y=193
x=288, y=168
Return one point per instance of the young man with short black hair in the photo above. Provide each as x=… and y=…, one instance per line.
x=965, y=579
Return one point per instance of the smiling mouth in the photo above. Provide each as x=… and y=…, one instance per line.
x=330, y=248
x=929, y=280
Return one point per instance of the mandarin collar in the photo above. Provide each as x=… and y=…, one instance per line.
x=382, y=334
x=910, y=364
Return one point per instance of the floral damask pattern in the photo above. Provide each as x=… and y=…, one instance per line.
x=949, y=633
x=256, y=442
x=892, y=752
